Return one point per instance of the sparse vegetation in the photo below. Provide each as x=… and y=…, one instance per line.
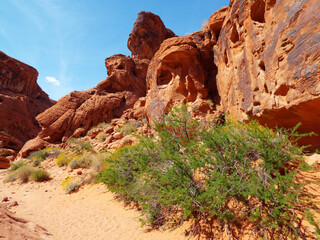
x=82, y=161
x=24, y=173
x=70, y=184
x=39, y=156
x=63, y=159
x=230, y=176
x=15, y=166
x=11, y=177
x=40, y=175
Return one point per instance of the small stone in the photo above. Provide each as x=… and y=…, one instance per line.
x=5, y=199
x=15, y=203
x=118, y=135
x=79, y=172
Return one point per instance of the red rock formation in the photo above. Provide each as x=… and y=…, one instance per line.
x=21, y=100
x=76, y=113
x=268, y=63
x=147, y=35
x=182, y=70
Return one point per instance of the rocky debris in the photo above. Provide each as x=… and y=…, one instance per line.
x=147, y=35
x=21, y=100
x=268, y=62
x=13, y=227
x=182, y=70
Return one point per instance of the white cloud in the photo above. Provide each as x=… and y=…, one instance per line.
x=53, y=80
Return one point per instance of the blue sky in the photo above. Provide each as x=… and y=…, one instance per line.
x=68, y=40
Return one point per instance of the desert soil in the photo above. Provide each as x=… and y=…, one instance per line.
x=90, y=213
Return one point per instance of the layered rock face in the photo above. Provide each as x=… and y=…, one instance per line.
x=268, y=63
x=21, y=100
x=76, y=113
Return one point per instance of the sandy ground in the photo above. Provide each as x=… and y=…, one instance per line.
x=90, y=213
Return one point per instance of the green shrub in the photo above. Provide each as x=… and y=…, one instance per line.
x=70, y=184
x=39, y=156
x=63, y=159
x=40, y=175
x=24, y=172
x=79, y=146
x=15, y=166
x=82, y=161
x=234, y=174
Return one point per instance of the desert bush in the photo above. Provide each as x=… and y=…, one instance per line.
x=70, y=184
x=78, y=146
x=15, y=166
x=102, y=136
x=39, y=156
x=82, y=161
x=10, y=177
x=232, y=174
x=24, y=173
x=40, y=175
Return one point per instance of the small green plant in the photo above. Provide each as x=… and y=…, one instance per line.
x=231, y=175
x=24, y=173
x=40, y=175
x=70, y=184
x=15, y=166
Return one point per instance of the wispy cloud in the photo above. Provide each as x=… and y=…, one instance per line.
x=53, y=81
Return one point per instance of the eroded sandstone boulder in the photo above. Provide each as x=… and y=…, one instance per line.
x=182, y=70
x=21, y=100
x=269, y=64
x=147, y=35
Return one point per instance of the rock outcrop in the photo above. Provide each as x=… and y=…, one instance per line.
x=76, y=113
x=268, y=63
x=182, y=70
x=117, y=95
x=21, y=100
x=147, y=35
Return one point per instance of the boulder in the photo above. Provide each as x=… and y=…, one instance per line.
x=147, y=35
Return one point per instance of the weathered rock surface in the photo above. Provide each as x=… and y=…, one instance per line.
x=269, y=64
x=182, y=70
x=21, y=100
x=147, y=35
x=76, y=113
x=16, y=228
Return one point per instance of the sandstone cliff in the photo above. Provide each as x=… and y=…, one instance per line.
x=21, y=100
